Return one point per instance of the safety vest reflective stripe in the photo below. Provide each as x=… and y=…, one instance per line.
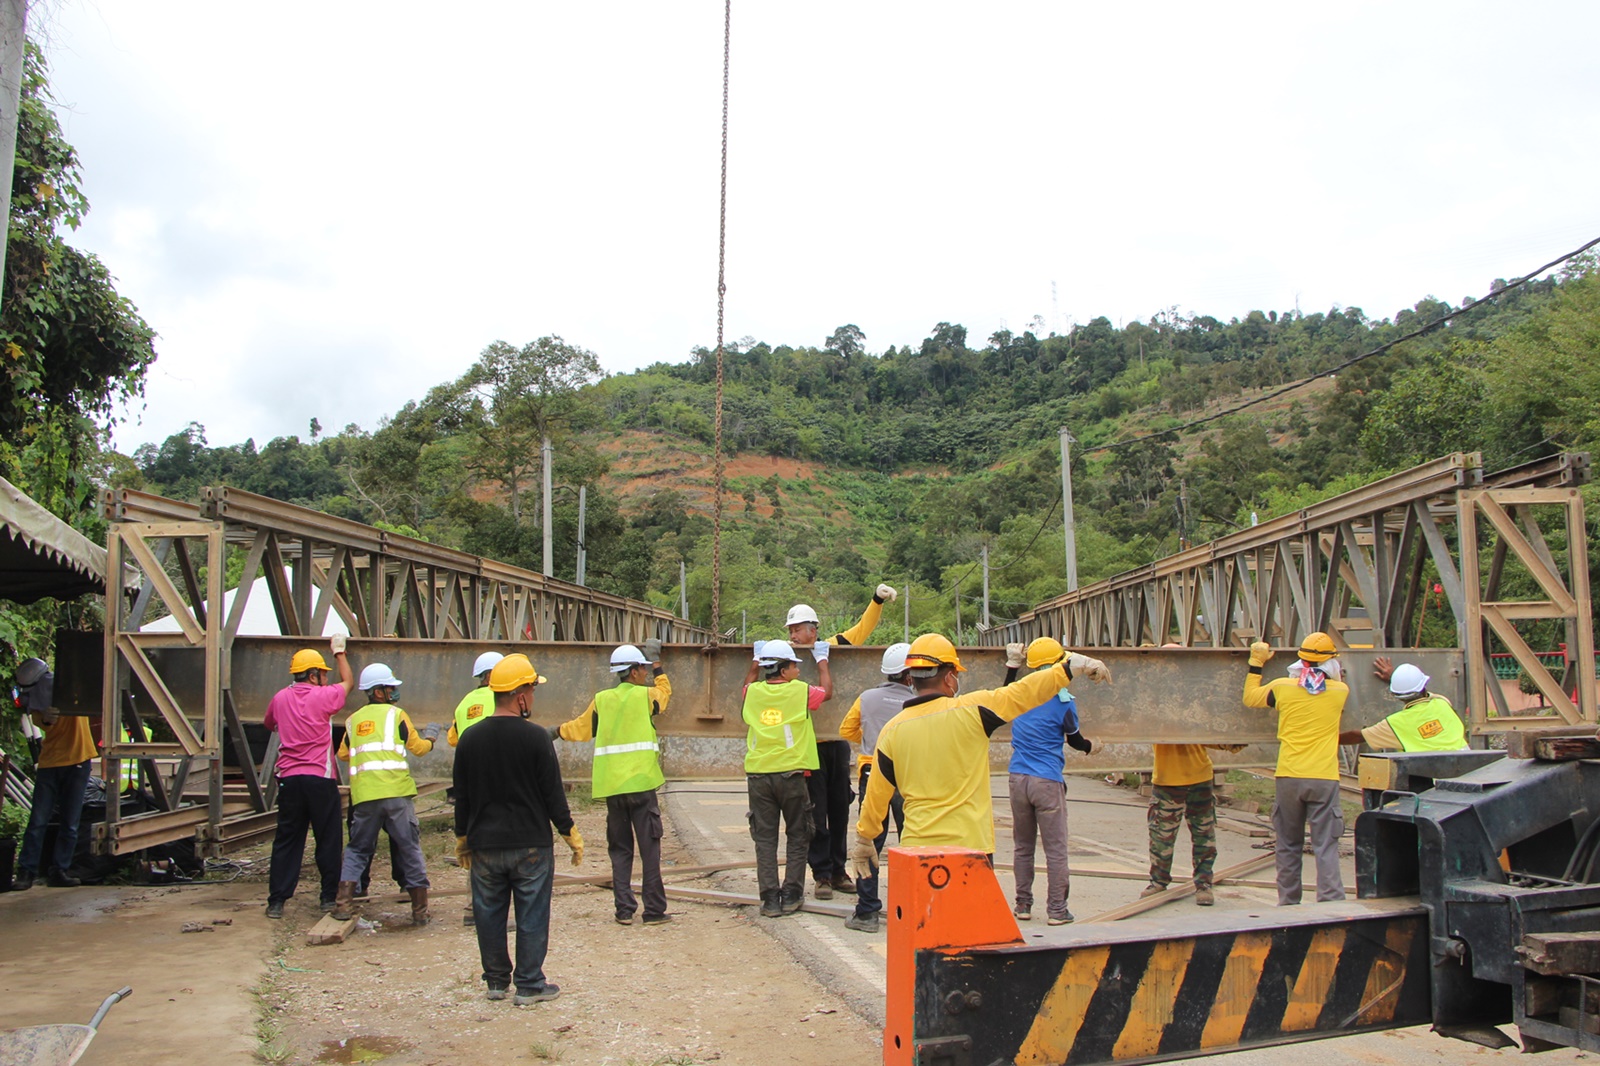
x=362, y=749
x=375, y=773
x=625, y=744
x=620, y=749
x=368, y=767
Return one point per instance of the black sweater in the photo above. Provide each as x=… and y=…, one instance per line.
x=508, y=786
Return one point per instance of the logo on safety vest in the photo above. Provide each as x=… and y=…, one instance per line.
x=1431, y=728
x=772, y=716
x=366, y=729
x=475, y=711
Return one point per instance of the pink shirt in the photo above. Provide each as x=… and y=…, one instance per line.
x=302, y=714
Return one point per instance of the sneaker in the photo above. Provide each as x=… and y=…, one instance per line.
x=793, y=898
x=497, y=994
x=862, y=923
x=61, y=879
x=549, y=991
x=274, y=908
x=823, y=890
x=842, y=883
x=625, y=919
x=1203, y=896
x=657, y=919
x=771, y=904
x=1024, y=914
x=1065, y=918
x=1152, y=889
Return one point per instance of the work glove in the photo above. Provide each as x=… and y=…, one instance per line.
x=1079, y=742
x=463, y=854
x=574, y=841
x=1230, y=748
x=1260, y=653
x=337, y=642
x=819, y=651
x=652, y=650
x=885, y=594
x=755, y=649
x=863, y=857
x=1082, y=666
x=432, y=731
x=1016, y=655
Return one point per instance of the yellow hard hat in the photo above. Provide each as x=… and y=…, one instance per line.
x=307, y=659
x=1318, y=648
x=512, y=672
x=1046, y=651
x=931, y=650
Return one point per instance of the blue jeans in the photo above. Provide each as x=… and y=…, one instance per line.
x=56, y=787
x=867, y=901
x=501, y=877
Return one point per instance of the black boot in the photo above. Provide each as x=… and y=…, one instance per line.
x=793, y=896
x=771, y=904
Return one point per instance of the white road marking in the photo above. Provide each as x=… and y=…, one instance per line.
x=851, y=956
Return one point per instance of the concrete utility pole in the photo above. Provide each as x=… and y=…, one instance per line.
x=985, y=586
x=907, y=636
x=583, y=554
x=1067, y=440
x=683, y=589
x=544, y=452
x=13, y=35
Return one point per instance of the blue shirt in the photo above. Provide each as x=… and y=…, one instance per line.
x=1038, y=736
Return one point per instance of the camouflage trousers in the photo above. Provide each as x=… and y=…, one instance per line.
x=1169, y=806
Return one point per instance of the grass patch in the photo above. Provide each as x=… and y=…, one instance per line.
x=270, y=999
x=545, y=1052
x=1250, y=792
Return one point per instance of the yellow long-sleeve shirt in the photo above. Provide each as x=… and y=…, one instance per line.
x=1308, y=725
x=858, y=633
x=936, y=752
x=582, y=727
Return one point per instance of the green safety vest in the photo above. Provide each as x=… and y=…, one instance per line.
x=128, y=769
x=1429, y=725
x=474, y=707
x=780, y=736
x=626, y=753
x=377, y=754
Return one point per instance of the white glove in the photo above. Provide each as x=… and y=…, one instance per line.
x=819, y=651
x=1082, y=666
x=1016, y=655
x=863, y=858
x=755, y=649
x=885, y=594
x=336, y=642
x=432, y=730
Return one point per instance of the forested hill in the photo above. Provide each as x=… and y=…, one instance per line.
x=848, y=466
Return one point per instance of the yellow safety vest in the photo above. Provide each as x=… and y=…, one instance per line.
x=474, y=707
x=377, y=754
x=128, y=769
x=780, y=736
x=1429, y=725
x=626, y=752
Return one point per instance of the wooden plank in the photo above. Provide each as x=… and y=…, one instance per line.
x=1566, y=749
x=330, y=931
x=1560, y=953
x=1177, y=892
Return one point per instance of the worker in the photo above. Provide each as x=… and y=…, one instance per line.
x=382, y=792
x=780, y=747
x=1038, y=786
x=1182, y=789
x=65, y=759
x=128, y=769
x=1424, y=722
x=626, y=772
x=829, y=785
x=1309, y=702
x=866, y=718
x=478, y=704
x=474, y=707
x=936, y=751
x=508, y=793
x=308, y=786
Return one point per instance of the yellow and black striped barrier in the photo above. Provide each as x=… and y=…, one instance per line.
x=1141, y=990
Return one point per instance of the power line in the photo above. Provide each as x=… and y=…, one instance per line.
x=1352, y=361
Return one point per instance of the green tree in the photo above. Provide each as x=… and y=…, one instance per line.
x=847, y=341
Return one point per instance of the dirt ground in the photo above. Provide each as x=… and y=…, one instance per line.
x=711, y=986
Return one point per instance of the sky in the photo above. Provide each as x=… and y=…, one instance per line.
x=325, y=209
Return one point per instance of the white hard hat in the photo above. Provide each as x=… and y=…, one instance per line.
x=378, y=674
x=801, y=612
x=1407, y=679
x=894, y=659
x=29, y=671
x=776, y=651
x=626, y=658
x=487, y=661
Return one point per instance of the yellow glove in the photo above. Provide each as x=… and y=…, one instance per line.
x=574, y=841
x=463, y=854
x=863, y=857
x=1260, y=652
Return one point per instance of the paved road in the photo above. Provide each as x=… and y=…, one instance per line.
x=1108, y=834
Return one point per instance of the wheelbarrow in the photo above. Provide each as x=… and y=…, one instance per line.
x=54, y=1045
